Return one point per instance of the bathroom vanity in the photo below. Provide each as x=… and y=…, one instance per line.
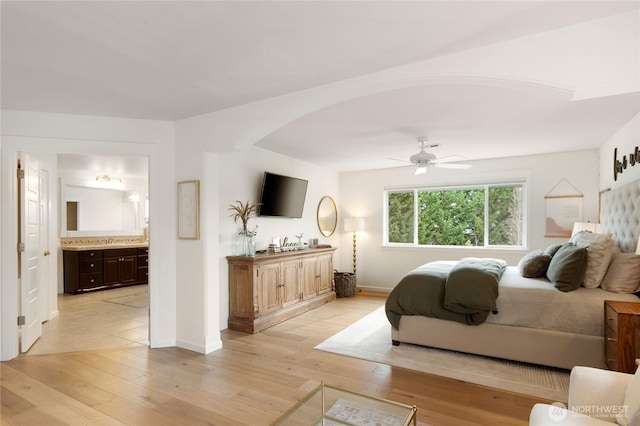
x=98, y=267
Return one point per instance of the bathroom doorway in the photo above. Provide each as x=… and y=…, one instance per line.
x=109, y=318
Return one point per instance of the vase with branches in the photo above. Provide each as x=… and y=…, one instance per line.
x=246, y=242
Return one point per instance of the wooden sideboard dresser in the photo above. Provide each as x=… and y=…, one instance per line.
x=269, y=288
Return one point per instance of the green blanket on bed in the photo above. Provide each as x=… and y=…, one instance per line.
x=465, y=292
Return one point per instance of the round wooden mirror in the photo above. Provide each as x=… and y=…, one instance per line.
x=327, y=216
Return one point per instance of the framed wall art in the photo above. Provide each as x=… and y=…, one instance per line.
x=562, y=213
x=563, y=209
x=189, y=210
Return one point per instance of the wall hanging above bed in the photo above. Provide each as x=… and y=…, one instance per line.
x=563, y=209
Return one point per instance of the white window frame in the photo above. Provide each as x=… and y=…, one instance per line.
x=486, y=186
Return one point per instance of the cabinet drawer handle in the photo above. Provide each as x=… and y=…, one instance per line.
x=611, y=339
x=92, y=265
x=93, y=280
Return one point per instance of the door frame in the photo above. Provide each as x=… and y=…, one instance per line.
x=9, y=285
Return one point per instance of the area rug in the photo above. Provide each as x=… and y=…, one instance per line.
x=370, y=339
x=138, y=300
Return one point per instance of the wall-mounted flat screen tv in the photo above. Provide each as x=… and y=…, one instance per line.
x=282, y=196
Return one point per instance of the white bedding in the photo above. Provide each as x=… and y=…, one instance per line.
x=536, y=303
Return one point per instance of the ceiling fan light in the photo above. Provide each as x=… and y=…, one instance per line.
x=421, y=170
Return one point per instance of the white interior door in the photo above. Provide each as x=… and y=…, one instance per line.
x=45, y=249
x=30, y=256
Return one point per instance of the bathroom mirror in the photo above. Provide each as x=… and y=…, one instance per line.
x=102, y=195
x=94, y=211
x=327, y=216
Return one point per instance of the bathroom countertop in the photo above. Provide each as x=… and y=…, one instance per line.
x=104, y=246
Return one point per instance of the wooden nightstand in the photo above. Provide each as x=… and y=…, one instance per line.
x=621, y=335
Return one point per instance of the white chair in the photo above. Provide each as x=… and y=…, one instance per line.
x=596, y=397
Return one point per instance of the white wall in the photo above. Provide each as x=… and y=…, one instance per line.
x=61, y=133
x=380, y=268
x=240, y=175
x=627, y=141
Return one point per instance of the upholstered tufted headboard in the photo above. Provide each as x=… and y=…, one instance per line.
x=620, y=215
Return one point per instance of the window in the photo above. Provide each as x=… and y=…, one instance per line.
x=478, y=216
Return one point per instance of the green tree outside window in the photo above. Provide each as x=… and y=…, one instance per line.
x=482, y=215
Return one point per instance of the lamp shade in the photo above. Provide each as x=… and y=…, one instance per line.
x=585, y=226
x=354, y=224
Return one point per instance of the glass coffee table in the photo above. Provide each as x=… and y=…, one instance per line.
x=327, y=405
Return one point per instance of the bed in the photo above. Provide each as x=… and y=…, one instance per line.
x=534, y=321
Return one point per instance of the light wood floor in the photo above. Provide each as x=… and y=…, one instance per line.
x=251, y=381
x=97, y=320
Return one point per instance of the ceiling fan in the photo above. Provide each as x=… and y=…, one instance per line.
x=423, y=159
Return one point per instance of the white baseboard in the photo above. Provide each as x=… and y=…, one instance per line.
x=202, y=349
x=381, y=290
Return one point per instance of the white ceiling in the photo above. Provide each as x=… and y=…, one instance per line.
x=174, y=60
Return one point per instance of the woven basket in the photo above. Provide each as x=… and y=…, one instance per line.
x=345, y=283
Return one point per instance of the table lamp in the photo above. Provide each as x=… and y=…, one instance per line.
x=585, y=226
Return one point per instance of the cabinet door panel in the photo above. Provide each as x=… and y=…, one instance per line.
x=111, y=270
x=129, y=270
x=290, y=286
x=325, y=266
x=309, y=277
x=267, y=286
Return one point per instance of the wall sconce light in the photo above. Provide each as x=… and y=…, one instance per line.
x=354, y=224
x=106, y=178
x=106, y=182
x=585, y=226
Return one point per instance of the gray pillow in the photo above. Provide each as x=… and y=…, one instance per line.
x=567, y=267
x=534, y=264
x=552, y=249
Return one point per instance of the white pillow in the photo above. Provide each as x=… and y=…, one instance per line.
x=599, y=251
x=631, y=401
x=623, y=275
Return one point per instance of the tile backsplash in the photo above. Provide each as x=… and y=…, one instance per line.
x=97, y=241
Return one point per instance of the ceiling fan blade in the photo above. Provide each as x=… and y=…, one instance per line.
x=448, y=158
x=452, y=166
x=421, y=170
x=397, y=159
